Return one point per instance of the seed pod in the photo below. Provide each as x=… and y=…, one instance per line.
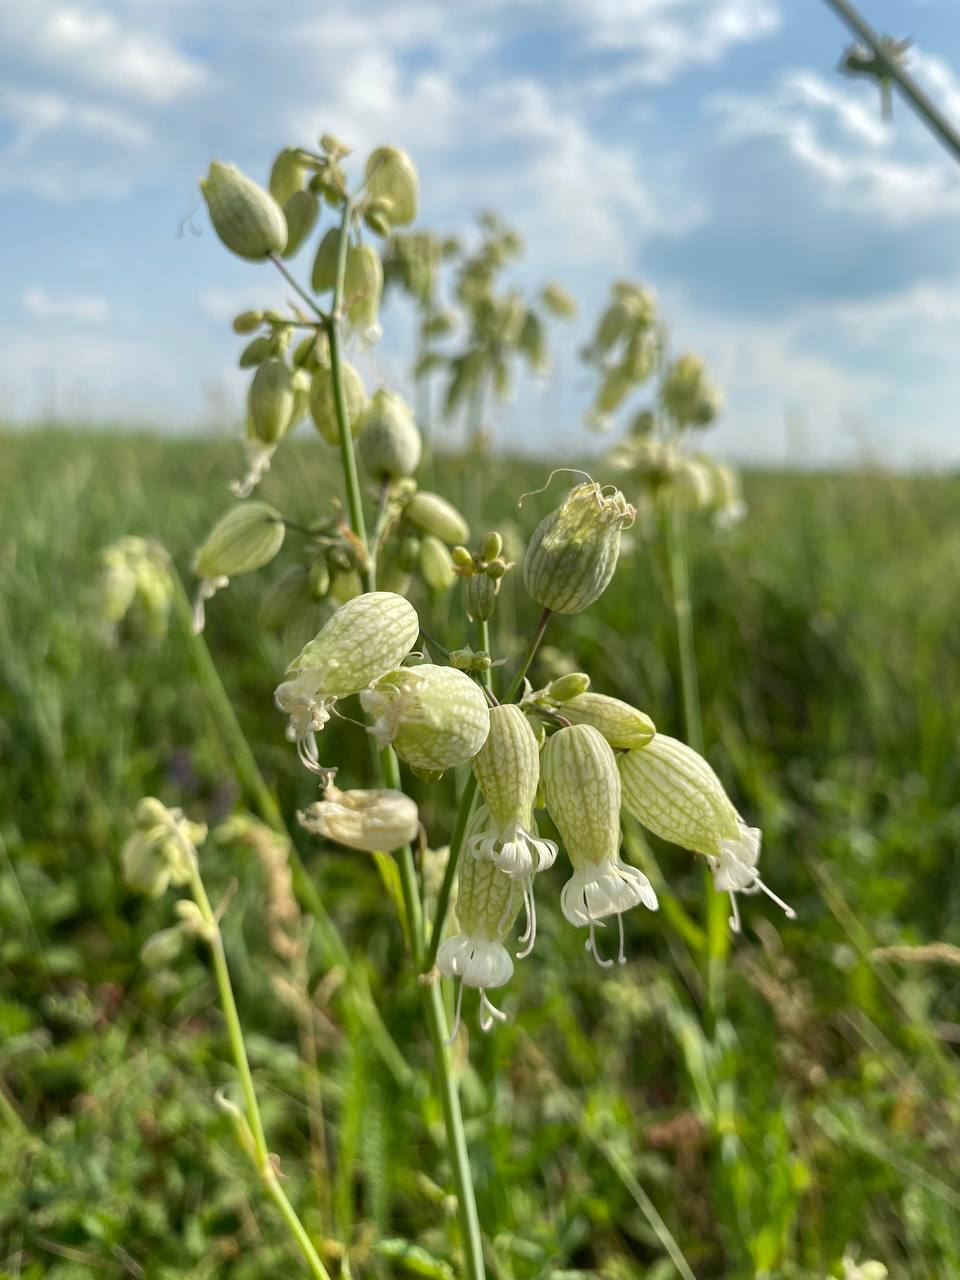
x=363, y=285
x=246, y=538
x=375, y=821
x=436, y=717
x=288, y=596
x=433, y=514
x=573, y=552
x=436, y=565
x=256, y=351
x=480, y=597
x=323, y=406
x=674, y=793
x=390, y=176
x=247, y=321
x=301, y=212
x=246, y=218
x=621, y=724
x=389, y=440
x=366, y=637
x=271, y=400
x=324, y=274
x=287, y=175
x=582, y=791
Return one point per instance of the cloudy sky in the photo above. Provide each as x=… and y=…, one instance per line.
x=707, y=147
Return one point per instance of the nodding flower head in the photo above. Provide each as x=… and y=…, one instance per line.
x=487, y=905
x=245, y=539
x=507, y=767
x=435, y=717
x=364, y=639
x=582, y=790
x=574, y=550
x=379, y=820
x=674, y=793
x=162, y=849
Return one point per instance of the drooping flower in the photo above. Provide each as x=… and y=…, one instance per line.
x=573, y=552
x=161, y=850
x=507, y=767
x=246, y=538
x=435, y=717
x=377, y=821
x=366, y=637
x=487, y=904
x=582, y=791
x=674, y=793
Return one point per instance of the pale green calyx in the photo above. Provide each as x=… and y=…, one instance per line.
x=366, y=637
x=673, y=792
x=162, y=848
x=323, y=405
x=507, y=768
x=435, y=717
x=582, y=790
x=433, y=514
x=247, y=219
x=377, y=820
x=362, y=288
x=270, y=400
x=391, y=181
x=390, y=443
x=135, y=571
x=621, y=724
x=573, y=552
x=245, y=539
x=487, y=905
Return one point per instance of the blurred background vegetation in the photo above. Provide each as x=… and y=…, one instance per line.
x=601, y=1139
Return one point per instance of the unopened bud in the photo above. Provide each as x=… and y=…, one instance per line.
x=301, y=211
x=390, y=175
x=256, y=351
x=247, y=219
x=491, y=546
x=433, y=514
x=496, y=568
x=463, y=561
x=573, y=552
x=245, y=539
x=363, y=285
x=389, y=442
x=287, y=175
x=271, y=400
x=161, y=948
x=323, y=404
x=247, y=321
x=324, y=274
x=436, y=564
x=375, y=821
x=568, y=686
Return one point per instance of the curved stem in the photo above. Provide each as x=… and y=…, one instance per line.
x=294, y=284
x=450, y=871
x=534, y=645
x=483, y=644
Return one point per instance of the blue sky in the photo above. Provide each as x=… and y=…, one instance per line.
x=706, y=147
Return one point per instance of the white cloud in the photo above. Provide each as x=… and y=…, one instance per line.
x=76, y=308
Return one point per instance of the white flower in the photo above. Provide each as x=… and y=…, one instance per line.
x=519, y=853
x=376, y=820
x=600, y=889
x=734, y=870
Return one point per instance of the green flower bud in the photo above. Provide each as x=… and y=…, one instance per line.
x=332, y=146
x=582, y=791
x=346, y=586
x=558, y=301
x=621, y=724
x=271, y=400
x=573, y=552
x=287, y=175
x=245, y=539
x=319, y=578
x=161, y=850
x=375, y=821
x=480, y=597
x=390, y=176
x=463, y=561
x=436, y=565
x=487, y=905
x=247, y=321
x=162, y=948
x=363, y=285
x=673, y=792
x=568, y=686
x=389, y=444
x=687, y=394
x=409, y=551
x=613, y=390
x=496, y=568
x=367, y=637
x=256, y=351
x=433, y=514
x=323, y=405
x=288, y=596
x=436, y=717
x=301, y=211
x=491, y=547
x=324, y=274
x=247, y=219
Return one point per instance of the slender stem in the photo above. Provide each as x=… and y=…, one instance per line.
x=483, y=645
x=450, y=871
x=295, y=285
x=892, y=67
x=534, y=645
x=390, y=769
x=261, y=1152
x=715, y=907
x=379, y=527
x=263, y=801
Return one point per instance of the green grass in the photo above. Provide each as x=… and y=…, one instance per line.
x=830, y=662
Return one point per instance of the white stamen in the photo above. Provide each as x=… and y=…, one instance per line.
x=785, y=907
x=591, y=946
x=621, y=954
x=734, y=920
x=489, y=1013
x=529, y=935
x=456, y=1017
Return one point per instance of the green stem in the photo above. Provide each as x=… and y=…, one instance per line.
x=263, y=801
x=390, y=771
x=715, y=907
x=532, y=648
x=450, y=871
x=321, y=315
x=483, y=646
x=261, y=1153
x=924, y=107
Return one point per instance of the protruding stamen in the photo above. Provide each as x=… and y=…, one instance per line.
x=785, y=907
x=529, y=935
x=734, y=920
x=456, y=1016
x=591, y=946
x=489, y=1013
x=621, y=954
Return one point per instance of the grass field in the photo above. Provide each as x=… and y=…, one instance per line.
x=829, y=654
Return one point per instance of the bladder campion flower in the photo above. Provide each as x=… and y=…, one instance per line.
x=582, y=790
x=487, y=904
x=366, y=637
x=621, y=724
x=245, y=539
x=247, y=219
x=508, y=771
x=674, y=793
x=573, y=552
x=161, y=849
x=435, y=717
x=378, y=820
